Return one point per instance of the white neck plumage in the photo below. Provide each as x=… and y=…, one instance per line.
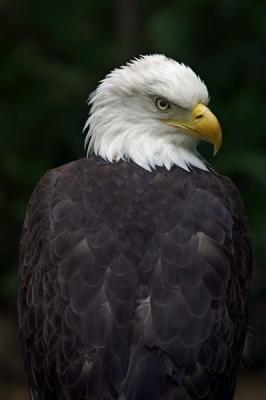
x=138, y=143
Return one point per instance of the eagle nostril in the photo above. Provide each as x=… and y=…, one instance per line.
x=199, y=116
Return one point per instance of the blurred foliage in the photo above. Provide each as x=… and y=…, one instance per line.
x=53, y=53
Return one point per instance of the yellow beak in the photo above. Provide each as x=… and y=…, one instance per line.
x=201, y=124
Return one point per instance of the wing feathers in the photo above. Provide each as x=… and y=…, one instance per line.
x=133, y=284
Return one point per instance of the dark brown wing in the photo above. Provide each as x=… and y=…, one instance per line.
x=78, y=280
x=196, y=313
x=199, y=287
x=133, y=284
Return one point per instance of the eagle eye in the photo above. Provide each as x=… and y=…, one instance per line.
x=162, y=104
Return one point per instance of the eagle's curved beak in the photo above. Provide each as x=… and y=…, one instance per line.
x=201, y=124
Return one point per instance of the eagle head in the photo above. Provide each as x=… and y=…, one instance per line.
x=152, y=111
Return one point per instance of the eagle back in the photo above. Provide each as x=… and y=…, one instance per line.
x=133, y=283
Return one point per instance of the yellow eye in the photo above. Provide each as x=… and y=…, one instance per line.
x=162, y=104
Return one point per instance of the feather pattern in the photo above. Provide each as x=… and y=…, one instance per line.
x=133, y=284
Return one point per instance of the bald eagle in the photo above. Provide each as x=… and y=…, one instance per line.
x=135, y=261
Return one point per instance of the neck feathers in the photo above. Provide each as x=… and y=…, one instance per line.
x=144, y=148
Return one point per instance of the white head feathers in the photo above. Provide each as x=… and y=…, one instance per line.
x=124, y=122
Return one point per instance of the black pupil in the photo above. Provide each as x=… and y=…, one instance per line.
x=163, y=103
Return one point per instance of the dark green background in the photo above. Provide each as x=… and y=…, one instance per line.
x=53, y=53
